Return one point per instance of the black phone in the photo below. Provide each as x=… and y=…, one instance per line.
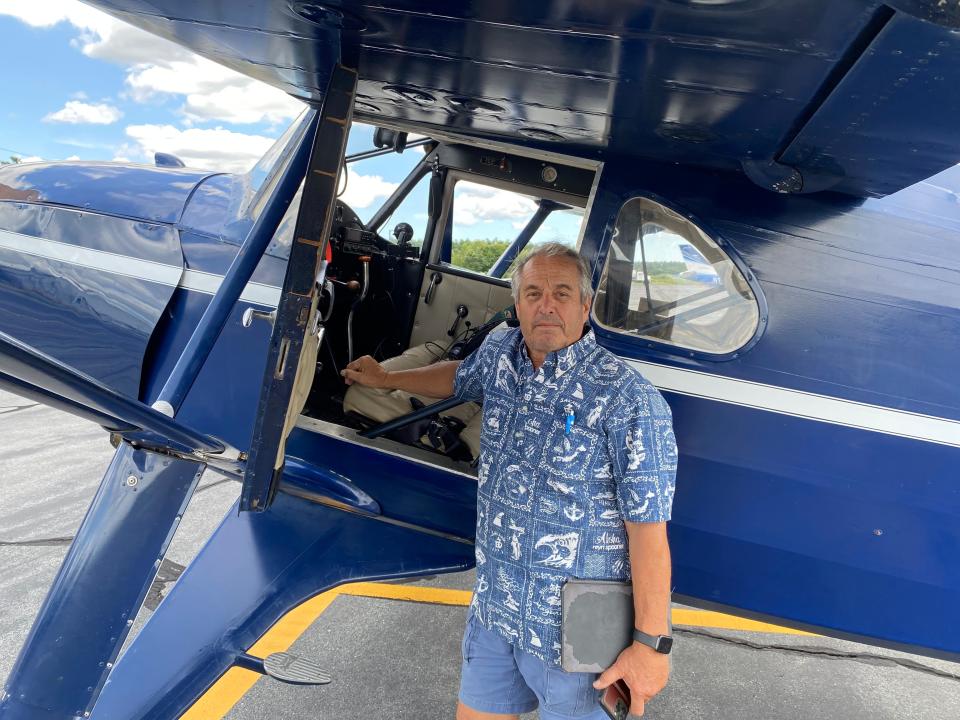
x=615, y=700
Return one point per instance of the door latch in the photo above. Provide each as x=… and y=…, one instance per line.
x=435, y=280
x=462, y=312
x=249, y=315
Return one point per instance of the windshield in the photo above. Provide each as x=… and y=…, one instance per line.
x=266, y=173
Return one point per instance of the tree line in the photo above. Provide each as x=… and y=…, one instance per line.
x=481, y=254
x=478, y=255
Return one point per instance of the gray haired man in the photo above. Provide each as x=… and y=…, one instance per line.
x=575, y=479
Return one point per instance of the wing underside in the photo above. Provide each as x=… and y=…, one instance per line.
x=802, y=95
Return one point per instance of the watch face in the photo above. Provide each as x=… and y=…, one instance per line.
x=664, y=644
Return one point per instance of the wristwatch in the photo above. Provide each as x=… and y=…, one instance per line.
x=660, y=643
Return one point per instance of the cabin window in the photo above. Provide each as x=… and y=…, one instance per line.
x=412, y=210
x=491, y=227
x=562, y=226
x=667, y=281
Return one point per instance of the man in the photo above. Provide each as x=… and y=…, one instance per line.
x=576, y=479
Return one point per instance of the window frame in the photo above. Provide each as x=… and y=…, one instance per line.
x=444, y=227
x=619, y=340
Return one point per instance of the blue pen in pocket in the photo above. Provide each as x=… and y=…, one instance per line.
x=570, y=418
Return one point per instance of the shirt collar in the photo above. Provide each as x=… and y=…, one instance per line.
x=562, y=360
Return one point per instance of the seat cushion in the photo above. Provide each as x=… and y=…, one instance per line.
x=381, y=405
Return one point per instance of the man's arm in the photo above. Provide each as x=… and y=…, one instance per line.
x=643, y=669
x=434, y=380
x=650, y=569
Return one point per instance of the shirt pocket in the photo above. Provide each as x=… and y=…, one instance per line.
x=573, y=451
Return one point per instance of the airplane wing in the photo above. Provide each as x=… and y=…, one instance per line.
x=856, y=96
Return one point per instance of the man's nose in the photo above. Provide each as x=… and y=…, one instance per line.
x=547, y=306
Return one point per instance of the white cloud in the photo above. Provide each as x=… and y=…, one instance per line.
x=212, y=92
x=37, y=158
x=210, y=149
x=159, y=67
x=127, y=151
x=476, y=203
x=363, y=190
x=102, y=37
x=177, y=76
x=50, y=12
x=85, y=144
x=124, y=44
x=246, y=102
x=80, y=112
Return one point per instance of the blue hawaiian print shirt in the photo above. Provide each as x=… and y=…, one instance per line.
x=567, y=453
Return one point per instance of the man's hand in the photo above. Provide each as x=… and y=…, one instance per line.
x=643, y=669
x=365, y=371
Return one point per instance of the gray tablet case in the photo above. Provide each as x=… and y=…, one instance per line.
x=596, y=623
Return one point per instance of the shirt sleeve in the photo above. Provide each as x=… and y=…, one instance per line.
x=643, y=452
x=472, y=372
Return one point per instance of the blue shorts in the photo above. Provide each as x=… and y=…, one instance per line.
x=497, y=678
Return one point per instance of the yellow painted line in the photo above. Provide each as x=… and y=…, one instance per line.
x=236, y=682
x=222, y=695
x=444, y=596
x=411, y=593
x=292, y=625
x=710, y=619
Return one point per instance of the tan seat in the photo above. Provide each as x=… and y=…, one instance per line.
x=382, y=405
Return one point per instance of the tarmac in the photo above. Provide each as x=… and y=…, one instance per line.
x=393, y=649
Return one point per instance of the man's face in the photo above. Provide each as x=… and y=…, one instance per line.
x=549, y=308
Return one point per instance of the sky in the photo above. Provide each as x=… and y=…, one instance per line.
x=81, y=85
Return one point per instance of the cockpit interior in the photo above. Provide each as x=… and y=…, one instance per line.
x=405, y=287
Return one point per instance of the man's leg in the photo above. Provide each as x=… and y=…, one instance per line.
x=468, y=713
x=491, y=686
x=560, y=695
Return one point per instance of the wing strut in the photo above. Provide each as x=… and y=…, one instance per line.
x=91, y=605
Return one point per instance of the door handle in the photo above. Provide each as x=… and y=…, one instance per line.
x=435, y=280
x=462, y=312
x=250, y=314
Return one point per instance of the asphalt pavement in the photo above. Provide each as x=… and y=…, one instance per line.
x=393, y=649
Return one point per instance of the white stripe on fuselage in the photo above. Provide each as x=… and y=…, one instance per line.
x=104, y=261
x=822, y=408
x=695, y=383
x=209, y=283
x=89, y=258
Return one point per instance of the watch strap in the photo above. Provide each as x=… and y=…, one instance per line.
x=661, y=643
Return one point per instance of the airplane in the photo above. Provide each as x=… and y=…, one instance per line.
x=806, y=150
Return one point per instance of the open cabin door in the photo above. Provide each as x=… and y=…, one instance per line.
x=297, y=332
